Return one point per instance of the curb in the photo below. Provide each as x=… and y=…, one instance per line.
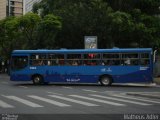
x=137, y=84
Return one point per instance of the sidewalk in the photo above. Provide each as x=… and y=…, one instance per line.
x=157, y=80
x=155, y=95
x=4, y=75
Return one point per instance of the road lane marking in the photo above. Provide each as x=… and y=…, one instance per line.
x=73, y=100
x=23, y=86
x=54, y=93
x=4, y=82
x=97, y=100
x=5, y=105
x=89, y=90
x=157, y=86
x=26, y=102
x=111, y=92
x=122, y=100
x=136, y=98
x=48, y=101
x=67, y=87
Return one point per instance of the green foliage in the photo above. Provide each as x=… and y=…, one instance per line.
x=28, y=32
x=146, y=29
x=64, y=23
x=150, y=7
x=81, y=18
x=121, y=23
x=121, y=29
x=28, y=25
x=47, y=31
x=9, y=35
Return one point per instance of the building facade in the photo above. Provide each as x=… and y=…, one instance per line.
x=15, y=7
x=28, y=5
x=3, y=4
x=20, y=7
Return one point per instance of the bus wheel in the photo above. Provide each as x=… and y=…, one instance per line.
x=37, y=80
x=106, y=80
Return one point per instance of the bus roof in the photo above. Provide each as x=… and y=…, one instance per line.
x=115, y=50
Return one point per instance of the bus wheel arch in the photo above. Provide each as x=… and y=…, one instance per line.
x=106, y=80
x=37, y=79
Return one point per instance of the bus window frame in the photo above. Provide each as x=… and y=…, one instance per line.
x=38, y=61
x=111, y=61
x=75, y=61
x=57, y=61
x=128, y=60
x=89, y=61
x=145, y=58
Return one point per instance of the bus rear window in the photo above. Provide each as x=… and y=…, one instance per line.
x=19, y=62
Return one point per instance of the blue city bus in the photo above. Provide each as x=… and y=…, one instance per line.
x=105, y=66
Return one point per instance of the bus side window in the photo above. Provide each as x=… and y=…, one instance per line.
x=38, y=59
x=75, y=63
x=144, y=62
x=144, y=59
x=130, y=59
x=111, y=62
x=111, y=59
x=92, y=59
x=134, y=62
x=39, y=63
x=55, y=59
x=49, y=63
x=61, y=62
x=74, y=59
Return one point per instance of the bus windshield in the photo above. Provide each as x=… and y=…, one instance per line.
x=19, y=62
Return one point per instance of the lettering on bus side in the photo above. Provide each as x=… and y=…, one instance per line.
x=72, y=80
x=106, y=70
x=144, y=68
x=33, y=68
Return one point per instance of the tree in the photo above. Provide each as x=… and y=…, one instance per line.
x=150, y=7
x=10, y=36
x=28, y=32
x=47, y=30
x=118, y=23
x=146, y=29
x=28, y=25
x=79, y=18
x=121, y=29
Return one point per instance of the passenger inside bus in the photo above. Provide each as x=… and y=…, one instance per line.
x=74, y=63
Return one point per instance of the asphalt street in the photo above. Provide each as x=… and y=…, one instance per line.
x=26, y=98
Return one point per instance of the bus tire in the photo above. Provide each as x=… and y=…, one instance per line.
x=37, y=79
x=105, y=80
